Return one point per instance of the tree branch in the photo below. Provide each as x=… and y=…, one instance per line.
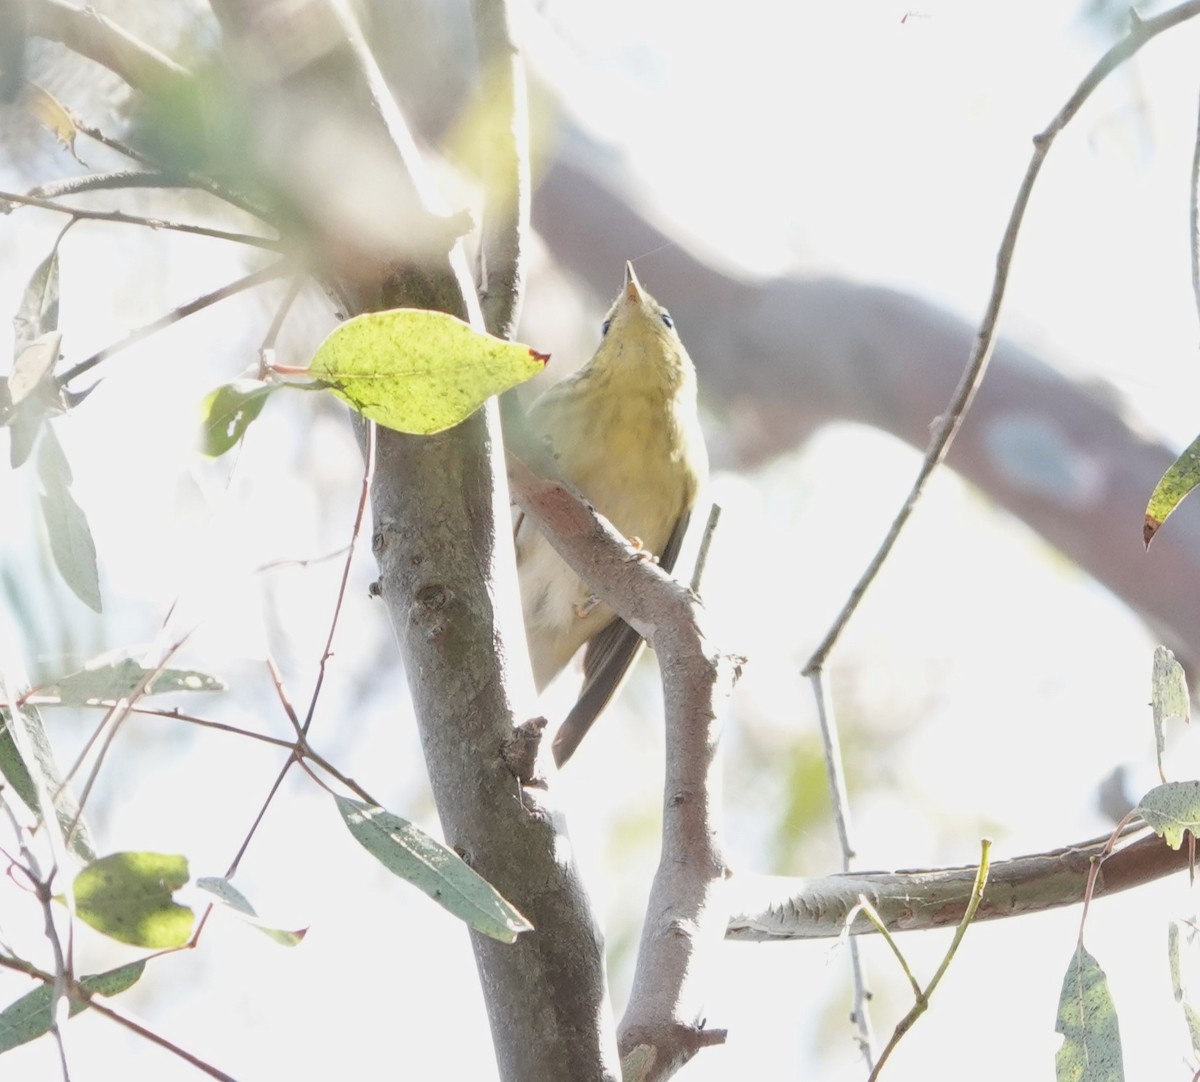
x=443, y=541
x=779, y=908
x=780, y=358
x=506, y=183
x=663, y=1025
x=85, y=31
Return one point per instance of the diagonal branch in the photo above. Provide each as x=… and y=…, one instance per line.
x=773, y=908
x=663, y=1026
x=1140, y=32
x=89, y=33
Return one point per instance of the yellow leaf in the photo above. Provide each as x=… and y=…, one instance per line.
x=419, y=371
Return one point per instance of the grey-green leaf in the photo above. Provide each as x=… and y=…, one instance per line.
x=38, y=311
x=30, y=1016
x=236, y=901
x=1168, y=696
x=41, y=771
x=407, y=851
x=104, y=680
x=1087, y=1019
x=1172, y=810
x=72, y=545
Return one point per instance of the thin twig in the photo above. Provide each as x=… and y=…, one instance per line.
x=364, y=499
x=266, y=351
x=250, y=281
x=158, y=179
x=706, y=539
x=506, y=183
x=82, y=213
x=110, y=725
x=922, y=1003
x=839, y=797
x=1140, y=32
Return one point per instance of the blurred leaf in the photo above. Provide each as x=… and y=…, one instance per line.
x=1168, y=697
x=105, y=680
x=41, y=771
x=1171, y=810
x=1181, y=939
x=37, y=314
x=1087, y=1019
x=1181, y=477
x=50, y=112
x=229, y=411
x=70, y=540
x=29, y=1017
x=127, y=896
x=32, y=367
x=418, y=371
x=407, y=851
x=235, y=900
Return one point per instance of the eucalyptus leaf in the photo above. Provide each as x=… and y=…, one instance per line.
x=129, y=897
x=1087, y=1019
x=418, y=371
x=407, y=851
x=30, y=1017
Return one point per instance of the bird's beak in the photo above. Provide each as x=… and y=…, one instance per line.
x=633, y=288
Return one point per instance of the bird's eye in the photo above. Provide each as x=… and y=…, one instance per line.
x=666, y=318
x=604, y=327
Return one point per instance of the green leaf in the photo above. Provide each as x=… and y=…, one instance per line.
x=40, y=771
x=1171, y=810
x=229, y=411
x=418, y=371
x=1168, y=697
x=407, y=851
x=1180, y=939
x=1087, y=1019
x=235, y=900
x=30, y=1016
x=31, y=370
x=103, y=680
x=1181, y=477
x=71, y=543
x=37, y=314
x=127, y=896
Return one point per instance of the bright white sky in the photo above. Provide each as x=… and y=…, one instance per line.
x=832, y=137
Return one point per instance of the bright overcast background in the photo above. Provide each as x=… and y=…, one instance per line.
x=987, y=687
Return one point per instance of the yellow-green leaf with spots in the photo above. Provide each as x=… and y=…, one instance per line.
x=418, y=371
x=127, y=896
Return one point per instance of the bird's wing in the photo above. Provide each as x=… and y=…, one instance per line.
x=606, y=661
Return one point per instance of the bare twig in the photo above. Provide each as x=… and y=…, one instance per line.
x=1140, y=32
x=506, y=181
x=836, y=775
x=663, y=1026
x=78, y=992
x=706, y=539
x=360, y=513
x=231, y=289
x=924, y=995
x=83, y=214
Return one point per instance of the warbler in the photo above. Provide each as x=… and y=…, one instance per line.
x=625, y=432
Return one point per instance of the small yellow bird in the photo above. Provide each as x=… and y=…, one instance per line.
x=625, y=431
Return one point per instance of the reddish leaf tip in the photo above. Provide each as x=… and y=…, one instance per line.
x=1149, y=529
